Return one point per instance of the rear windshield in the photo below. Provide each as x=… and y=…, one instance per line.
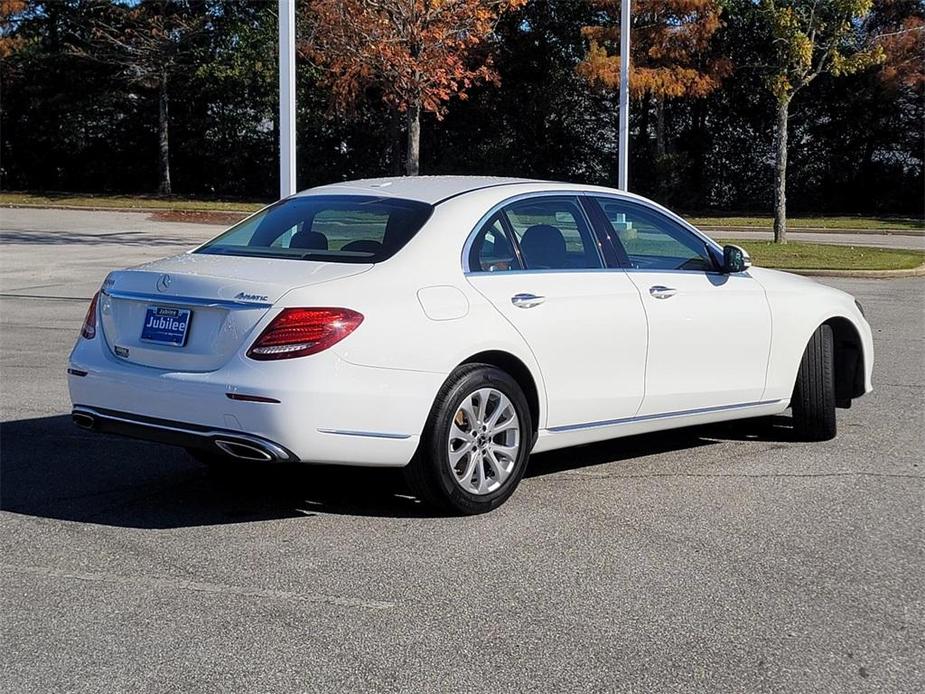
x=335, y=228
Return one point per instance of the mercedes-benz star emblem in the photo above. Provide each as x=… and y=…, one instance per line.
x=163, y=282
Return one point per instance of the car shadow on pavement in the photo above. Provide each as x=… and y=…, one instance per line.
x=51, y=469
x=768, y=429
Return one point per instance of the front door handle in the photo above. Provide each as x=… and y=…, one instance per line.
x=527, y=300
x=660, y=292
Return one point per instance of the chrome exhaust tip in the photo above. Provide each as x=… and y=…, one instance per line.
x=83, y=420
x=244, y=451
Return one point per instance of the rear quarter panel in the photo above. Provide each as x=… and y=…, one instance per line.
x=419, y=312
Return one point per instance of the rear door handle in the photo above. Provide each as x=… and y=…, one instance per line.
x=527, y=300
x=660, y=292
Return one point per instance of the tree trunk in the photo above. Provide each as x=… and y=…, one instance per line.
x=163, y=141
x=780, y=173
x=395, y=145
x=644, y=122
x=660, y=126
x=412, y=164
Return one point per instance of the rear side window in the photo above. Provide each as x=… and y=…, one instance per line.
x=541, y=233
x=335, y=228
x=492, y=250
x=552, y=234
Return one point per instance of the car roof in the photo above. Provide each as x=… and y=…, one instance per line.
x=429, y=189
x=436, y=189
x=491, y=190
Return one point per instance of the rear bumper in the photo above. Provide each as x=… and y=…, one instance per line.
x=202, y=438
x=323, y=409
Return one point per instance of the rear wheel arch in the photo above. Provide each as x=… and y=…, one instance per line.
x=519, y=371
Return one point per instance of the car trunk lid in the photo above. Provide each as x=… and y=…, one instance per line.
x=193, y=312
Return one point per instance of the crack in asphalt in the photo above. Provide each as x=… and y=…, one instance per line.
x=224, y=589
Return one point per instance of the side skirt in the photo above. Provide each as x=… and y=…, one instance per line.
x=577, y=434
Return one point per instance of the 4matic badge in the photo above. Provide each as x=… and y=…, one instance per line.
x=243, y=296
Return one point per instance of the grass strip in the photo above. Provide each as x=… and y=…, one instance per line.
x=818, y=256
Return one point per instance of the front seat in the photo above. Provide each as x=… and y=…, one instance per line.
x=543, y=248
x=309, y=240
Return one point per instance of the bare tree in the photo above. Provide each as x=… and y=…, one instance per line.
x=148, y=42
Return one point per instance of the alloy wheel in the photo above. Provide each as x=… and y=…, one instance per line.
x=484, y=441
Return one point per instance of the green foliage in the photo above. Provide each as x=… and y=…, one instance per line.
x=811, y=37
x=68, y=123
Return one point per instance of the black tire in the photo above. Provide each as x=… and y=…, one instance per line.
x=813, y=401
x=429, y=473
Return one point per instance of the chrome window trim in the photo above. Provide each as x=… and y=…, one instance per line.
x=470, y=239
x=712, y=273
x=174, y=300
x=572, y=271
x=545, y=271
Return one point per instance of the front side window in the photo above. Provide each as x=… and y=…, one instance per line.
x=331, y=228
x=552, y=234
x=651, y=241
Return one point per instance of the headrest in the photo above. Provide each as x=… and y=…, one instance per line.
x=311, y=240
x=543, y=247
x=363, y=246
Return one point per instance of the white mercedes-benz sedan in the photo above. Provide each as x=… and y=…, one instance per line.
x=452, y=326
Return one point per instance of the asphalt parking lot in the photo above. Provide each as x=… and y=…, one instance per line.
x=725, y=558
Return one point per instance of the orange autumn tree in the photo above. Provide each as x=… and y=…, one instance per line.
x=898, y=28
x=9, y=11
x=670, y=51
x=418, y=53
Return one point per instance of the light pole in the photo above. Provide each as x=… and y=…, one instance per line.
x=287, y=184
x=624, y=128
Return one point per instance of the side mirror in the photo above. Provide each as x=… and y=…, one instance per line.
x=735, y=259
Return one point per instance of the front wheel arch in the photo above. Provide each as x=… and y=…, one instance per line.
x=849, y=359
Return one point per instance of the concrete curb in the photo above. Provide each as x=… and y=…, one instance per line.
x=869, y=274
x=814, y=230
x=141, y=210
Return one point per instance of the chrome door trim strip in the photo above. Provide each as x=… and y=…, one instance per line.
x=184, y=300
x=365, y=434
x=663, y=415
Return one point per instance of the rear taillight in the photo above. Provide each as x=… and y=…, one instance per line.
x=89, y=327
x=297, y=332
